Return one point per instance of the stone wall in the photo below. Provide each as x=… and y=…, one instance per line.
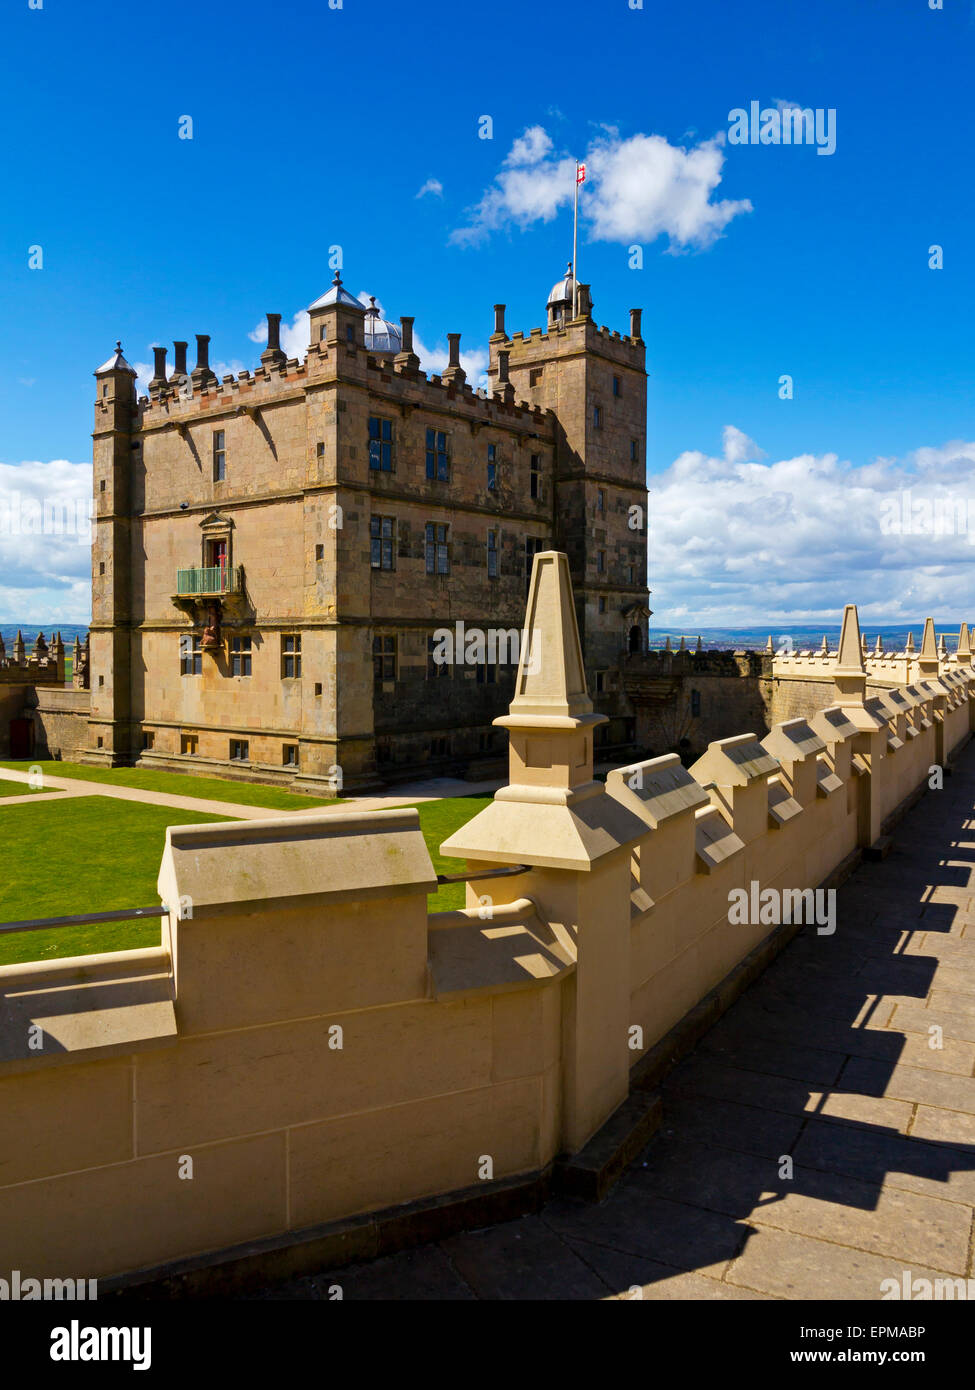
x=60, y=719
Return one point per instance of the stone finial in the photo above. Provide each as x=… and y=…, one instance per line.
x=849, y=673
x=909, y=644
x=667, y=646
x=551, y=676
x=770, y=646
x=942, y=647
x=964, y=650
x=274, y=355
x=879, y=646
x=824, y=649
x=683, y=646
x=864, y=649
x=700, y=645
x=927, y=662
x=19, y=655
x=499, y=330
x=636, y=324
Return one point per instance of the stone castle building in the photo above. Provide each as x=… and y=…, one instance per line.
x=274, y=553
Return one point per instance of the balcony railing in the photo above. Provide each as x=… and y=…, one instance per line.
x=215, y=579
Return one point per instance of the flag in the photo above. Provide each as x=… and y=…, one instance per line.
x=580, y=173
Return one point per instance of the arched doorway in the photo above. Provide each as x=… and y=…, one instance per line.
x=636, y=639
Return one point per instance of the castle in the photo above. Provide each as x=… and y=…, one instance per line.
x=274, y=553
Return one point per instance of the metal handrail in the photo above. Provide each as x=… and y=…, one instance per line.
x=208, y=579
x=128, y=914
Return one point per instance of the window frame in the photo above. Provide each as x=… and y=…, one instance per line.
x=240, y=757
x=385, y=657
x=381, y=444
x=382, y=542
x=437, y=547
x=191, y=660
x=438, y=456
x=219, y=454
x=241, y=654
x=291, y=656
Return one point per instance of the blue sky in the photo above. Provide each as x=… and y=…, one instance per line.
x=323, y=127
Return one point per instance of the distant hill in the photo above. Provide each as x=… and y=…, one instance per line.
x=69, y=631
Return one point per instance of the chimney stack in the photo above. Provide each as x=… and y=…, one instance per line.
x=585, y=302
x=273, y=354
x=201, y=373
x=499, y=329
x=179, y=364
x=636, y=323
x=454, y=372
x=158, y=381
x=406, y=359
x=505, y=388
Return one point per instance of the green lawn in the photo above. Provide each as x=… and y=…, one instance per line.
x=8, y=788
x=95, y=853
x=203, y=788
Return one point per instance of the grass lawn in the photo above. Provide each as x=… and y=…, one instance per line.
x=203, y=788
x=8, y=788
x=94, y=854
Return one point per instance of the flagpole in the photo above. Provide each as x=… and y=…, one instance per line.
x=575, y=250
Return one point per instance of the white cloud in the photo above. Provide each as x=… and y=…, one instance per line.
x=433, y=186
x=734, y=541
x=434, y=360
x=45, y=540
x=636, y=189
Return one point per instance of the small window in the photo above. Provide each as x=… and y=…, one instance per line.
x=629, y=574
x=534, y=376
x=382, y=533
x=695, y=704
x=350, y=332
x=148, y=740
x=101, y=567
x=190, y=655
x=602, y=604
x=318, y=690
x=597, y=417
x=384, y=658
x=290, y=656
x=437, y=554
x=189, y=744
x=617, y=389
x=104, y=393
x=239, y=750
x=101, y=485
x=600, y=682
x=534, y=476
x=600, y=500
x=289, y=755
x=320, y=450
x=601, y=561
x=492, y=477
x=101, y=741
x=319, y=552
x=492, y=554
x=101, y=680
x=380, y=444
x=436, y=666
x=439, y=748
x=485, y=741
x=438, y=462
x=240, y=656
x=633, y=451
x=219, y=456
x=492, y=453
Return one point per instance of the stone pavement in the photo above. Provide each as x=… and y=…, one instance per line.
x=60, y=787
x=828, y=1060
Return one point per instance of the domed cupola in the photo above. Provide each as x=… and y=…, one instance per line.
x=560, y=303
x=381, y=336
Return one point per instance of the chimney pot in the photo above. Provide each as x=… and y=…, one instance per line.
x=453, y=343
x=636, y=323
x=202, y=351
x=406, y=324
x=179, y=363
x=159, y=371
x=274, y=330
x=499, y=318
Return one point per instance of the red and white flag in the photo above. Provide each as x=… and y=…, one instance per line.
x=580, y=173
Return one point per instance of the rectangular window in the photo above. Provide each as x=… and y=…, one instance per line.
x=189, y=744
x=487, y=673
x=384, y=658
x=438, y=558
x=492, y=453
x=534, y=376
x=439, y=748
x=380, y=444
x=190, y=654
x=239, y=750
x=534, y=476
x=350, y=332
x=492, y=477
x=492, y=554
x=438, y=463
x=319, y=552
x=695, y=704
x=600, y=682
x=617, y=389
x=600, y=500
x=436, y=668
x=602, y=604
x=533, y=545
x=633, y=450
x=289, y=755
x=290, y=656
x=148, y=739
x=597, y=417
x=219, y=456
x=601, y=561
x=240, y=656
x=382, y=533
x=320, y=450
x=629, y=574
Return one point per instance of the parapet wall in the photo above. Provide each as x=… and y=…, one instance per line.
x=308, y=1044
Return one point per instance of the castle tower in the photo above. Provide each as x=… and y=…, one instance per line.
x=594, y=380
x=110, y=726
